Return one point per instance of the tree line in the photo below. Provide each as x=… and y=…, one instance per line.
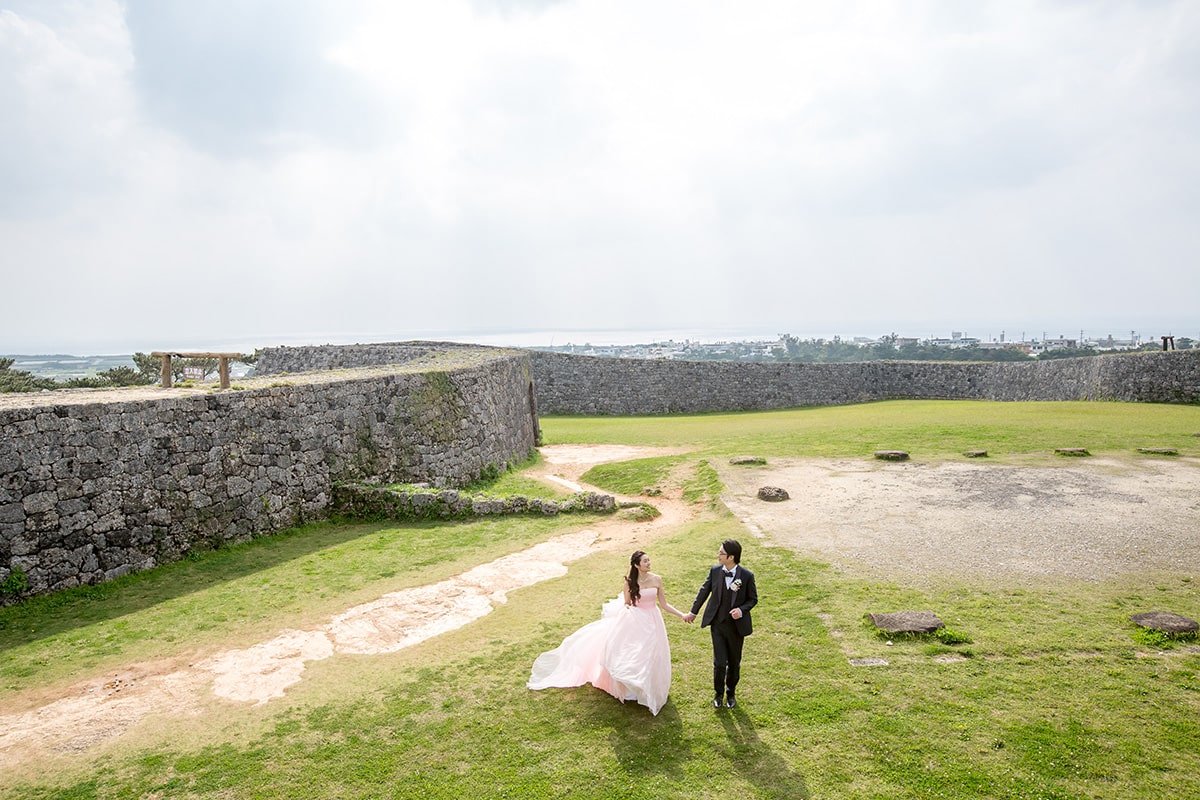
x=146, y=370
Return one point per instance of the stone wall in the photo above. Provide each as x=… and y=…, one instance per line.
x=382, y=502
x=94, y=485
x=570, y=384
x=312, y=358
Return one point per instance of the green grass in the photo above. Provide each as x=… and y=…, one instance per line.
x=1045, y=692
x=923, y=428
x=650, y=476
x=238, y=595
x=512, y=482
x=633, y=477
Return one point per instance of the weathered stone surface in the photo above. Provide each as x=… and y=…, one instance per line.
x=976, y=454
x=1071, y=451
x=906, y=621
x=868, y=662
x=1159, y=451
x=891, y=455
x=40, y=503
x=365, y=501
x=772, y=494
x=747, y=460
x=579, y=384
x=1166, y=621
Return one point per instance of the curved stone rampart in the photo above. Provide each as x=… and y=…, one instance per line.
x=97, y=484
x=314, y=358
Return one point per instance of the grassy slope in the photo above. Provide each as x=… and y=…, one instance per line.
x=1054, y=697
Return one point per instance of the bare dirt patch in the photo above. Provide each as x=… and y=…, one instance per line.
x=1005, y=522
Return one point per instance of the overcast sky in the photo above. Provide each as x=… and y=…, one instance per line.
x=240, y=174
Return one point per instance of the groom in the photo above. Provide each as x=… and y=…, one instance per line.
x=729, y=589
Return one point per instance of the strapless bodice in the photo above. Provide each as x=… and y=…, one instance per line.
x=648, y=597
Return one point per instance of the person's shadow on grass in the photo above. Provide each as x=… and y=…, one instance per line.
x=749, y=757
x=658, y=748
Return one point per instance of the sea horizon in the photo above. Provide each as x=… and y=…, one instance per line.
x=544, y=338
x=516, y=338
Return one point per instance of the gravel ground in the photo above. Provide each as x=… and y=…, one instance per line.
x=1088, y=519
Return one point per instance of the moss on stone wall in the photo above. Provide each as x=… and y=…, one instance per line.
x=375, y=502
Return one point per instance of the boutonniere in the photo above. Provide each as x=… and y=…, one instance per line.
x=737, y=584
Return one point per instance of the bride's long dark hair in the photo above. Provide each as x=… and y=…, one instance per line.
x=635, y=591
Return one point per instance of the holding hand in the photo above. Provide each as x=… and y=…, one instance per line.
x=688, y=617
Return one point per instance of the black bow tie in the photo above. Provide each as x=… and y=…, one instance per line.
x=728, y=573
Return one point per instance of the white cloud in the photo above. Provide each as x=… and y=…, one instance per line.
x=184, y=173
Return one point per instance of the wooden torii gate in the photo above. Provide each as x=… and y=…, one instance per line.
x=222, y=364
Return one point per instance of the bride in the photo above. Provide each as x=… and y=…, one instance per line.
x=625, y=652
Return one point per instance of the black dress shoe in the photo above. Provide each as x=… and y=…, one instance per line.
x=730, y=702
x=717, y=701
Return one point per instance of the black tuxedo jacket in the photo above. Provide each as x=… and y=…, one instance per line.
x=745, y=598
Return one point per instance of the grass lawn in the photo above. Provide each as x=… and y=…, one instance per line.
x=923, y=427
x=1055, y=695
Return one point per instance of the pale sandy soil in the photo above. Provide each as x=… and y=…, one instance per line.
x=1086, y=519
x=1015, y=523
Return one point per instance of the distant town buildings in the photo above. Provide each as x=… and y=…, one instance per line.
x=767, y=350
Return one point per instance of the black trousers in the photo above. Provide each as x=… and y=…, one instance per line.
x=727, y=657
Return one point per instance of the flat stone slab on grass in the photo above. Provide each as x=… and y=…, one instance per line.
x=742, y=460
x=772, y=494
x=1166, y=621
x=976, y=454
x=950, y=658
x=1159, y=451
x=868, y=662
x=907, y=622
x=1071, y=451
x=891, y=455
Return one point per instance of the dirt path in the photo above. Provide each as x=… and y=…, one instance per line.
x=102, y=708
x=565, y=464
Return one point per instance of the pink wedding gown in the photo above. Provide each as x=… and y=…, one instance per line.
x=625, y=653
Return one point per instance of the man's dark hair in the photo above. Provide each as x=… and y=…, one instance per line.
x=732, y=548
